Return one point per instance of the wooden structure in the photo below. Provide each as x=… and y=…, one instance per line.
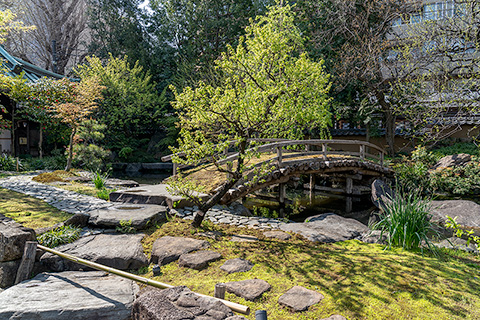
x=325, y=158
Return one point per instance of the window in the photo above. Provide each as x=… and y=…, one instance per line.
x=416, y=18
x=439, y=10
x=397, y=22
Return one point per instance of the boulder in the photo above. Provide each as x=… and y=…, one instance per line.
x=120, y=251
x=78, y=220
x=458, y=244
x=177, y=303
x=467, y=213
x=300, y=298
x=381, y=193
x=327, y=228
x=280, y=235
x=140, y=216
x=198, y=260
x=237, y=265
x=168, y=249
x=248, y=289
x=12, y=239
x=243, y=238
x=8, y=272
x=456, y=160
x=118, y=183
x=69, y=296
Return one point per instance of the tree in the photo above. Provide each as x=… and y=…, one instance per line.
x=267, y=87
x=76, y=107
x=355, y=35
x=131, y=108
x=60, y=36
x=438, y=88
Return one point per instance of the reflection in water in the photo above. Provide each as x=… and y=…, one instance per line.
x=154, y=178
x=304, y=206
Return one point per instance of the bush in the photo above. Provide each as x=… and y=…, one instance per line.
x=405, y=220
x=104, y=194
x=9, y=163
x=58, y=236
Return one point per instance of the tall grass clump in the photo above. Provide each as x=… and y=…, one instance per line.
x=405, y=221
x=58, y=236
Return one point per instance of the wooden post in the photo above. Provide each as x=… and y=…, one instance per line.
x=348, y=204
x=174, y=169
x=349, y=186
x=28, y=259
x=279, y=156
x=324, y=151
x=18, y=165
x=219, y=291
x=312, y=187
x=282, y=189
x=362, y=152
x=381, y=158
x=307, y=148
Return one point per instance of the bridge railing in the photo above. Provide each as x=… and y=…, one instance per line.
x=278, y=145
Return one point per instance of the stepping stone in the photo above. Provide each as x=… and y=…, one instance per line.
x=335, y=317
x=178, y=303
x=300, y=298
x=198, y=260
x=236, y=265
x=168, y=249
x=215, y=235
x=70, y=296
x=248, y=289
x=140, y=216
x=280, y=235
x=120, y=251
x=243, y=238
x=327, y=228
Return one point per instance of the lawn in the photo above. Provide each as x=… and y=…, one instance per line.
x=30, y=212
x=358, y=280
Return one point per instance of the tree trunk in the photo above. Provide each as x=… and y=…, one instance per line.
x=200, y=214
x=70, y=150
x=40, y=143
x=389, y=122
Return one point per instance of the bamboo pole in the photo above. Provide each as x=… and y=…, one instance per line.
x=149, y=282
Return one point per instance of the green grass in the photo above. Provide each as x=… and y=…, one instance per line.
x=28, y=211
x=358, y=280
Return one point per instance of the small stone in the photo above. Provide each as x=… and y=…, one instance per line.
x=237, y=265
x=243, y=238
x=300, y=298
x=168, y=249
x=248, y=289
x=335, y=317
x=215, y=235
x=198, y=260
x=277, y=235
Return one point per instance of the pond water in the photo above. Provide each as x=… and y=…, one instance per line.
x=299, y=206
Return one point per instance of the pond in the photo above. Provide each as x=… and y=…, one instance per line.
x=299, y=206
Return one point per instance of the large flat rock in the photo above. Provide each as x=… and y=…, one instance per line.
x=327, y=228
x=12, y=239
x=69, y=296
x=467, y=213
x=250, y=289
x=8, y=272
x=168, y=249
x=153, y=194
x=140, y=216
x=198, y=260
x=120, y=251
x=178, y=303
x=299, y=298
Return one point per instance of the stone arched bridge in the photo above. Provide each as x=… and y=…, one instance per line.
x=334, y=159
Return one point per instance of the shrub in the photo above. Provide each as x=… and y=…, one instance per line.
x=104, y=194
x=125, y=227
x=58, y=236
x=9, y=163
x=99, y=180
x=405, y=220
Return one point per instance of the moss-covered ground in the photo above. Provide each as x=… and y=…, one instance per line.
x=28, y=211
x=358, y=280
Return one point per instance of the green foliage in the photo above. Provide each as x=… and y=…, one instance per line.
x=125, y=152
x=104, y=194
x=125, y=227
x=405, y=220
x=58, y=236
x=99, y=180
x=456, y=148
x=458, y=231
x=9, y=163
x=88, y=153
x=54, y=162
x=131, y=109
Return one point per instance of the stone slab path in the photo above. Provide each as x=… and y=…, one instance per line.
x=61, y=199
